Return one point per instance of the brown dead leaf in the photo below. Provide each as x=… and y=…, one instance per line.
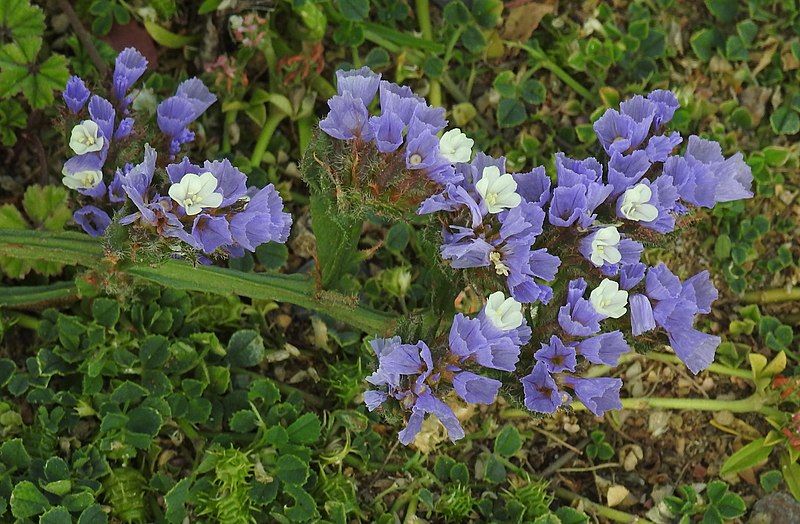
x=523, y=19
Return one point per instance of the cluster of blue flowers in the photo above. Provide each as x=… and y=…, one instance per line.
x=208, y=207
x=515, y=229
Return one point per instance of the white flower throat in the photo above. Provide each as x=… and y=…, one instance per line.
x=86, y=138
x=499, y=192
x=499, y=266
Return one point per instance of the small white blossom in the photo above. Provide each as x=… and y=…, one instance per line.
x=635, y=204
x=604, y=246
x=85, y=138
x=498, y=191
x=195, y=192
x=82, y=179
x=504, y=313
x=608, y=299
x=455, y=146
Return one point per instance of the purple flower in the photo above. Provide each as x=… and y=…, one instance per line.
x=93, y=220
x=262, y=220
x=136, y=184
x=702, y=291
x=75, y=94
x=661, y=283
x=695, y=348
x=359, y=83
x=475, y=388
x=399, y=100
x=631, y=275
x=597, y=394
x=541, y=392
x=642, y=112
x=388, y=132
x=197, y=94
x=103, y=114
x=661, y=146
x=533, y=186
x=615, y=132
x=572, y=172
x=556, y=356
x=124, y=129
x=231, y=182
x=211, y=232
x=625, y=171
x=577, y=317
x=116, y=193
x=173, y=115
x=734, y=178
x=695, y=181
x=425, y=404
x=642, y=319
x=666, y=104
x=347, y=119
x=567, y=205
x=605, y=348
x=128, y=68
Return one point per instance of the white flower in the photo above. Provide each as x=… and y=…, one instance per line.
x=195, y=192
x=504, y=313
x=608, y=300
x=604, y=246
x=498, y=191
x=635, y=204
x=82, y=179
x=85, y=138
x=455, y=146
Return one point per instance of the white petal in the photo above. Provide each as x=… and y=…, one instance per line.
x=208, y=184
x=647, y=212
x=212, y=200
x=177, y=192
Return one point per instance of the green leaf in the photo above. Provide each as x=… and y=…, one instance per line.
x=128, y=392
x=455, y=12
x=243, y=421
x=305, y=430
x=460, y=474
x=144, y=420
x=14, y=455
x=353, y=10
x=569, y=515
x=47, y=206
x=264, y=390
x=304, y=508
x=533, y=92
x=785, y=121
x=505, y=84
x=510, y=113
x=747, y=457
x=56, y=469
x=154, y=351
x=176, y=499
x=105, y=311
x=245, y=348
x=19, y=19
x=272, y=255
x=27, y=501
x=291, y=470
x=508, y=441
x=94, y=515
x=167, y=38
x=731, y=506
x=704, y=42
x=208, y=6
x=56, y=515
x=724, y=10
x=58, y=487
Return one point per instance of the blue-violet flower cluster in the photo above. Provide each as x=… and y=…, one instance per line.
x=208, y=207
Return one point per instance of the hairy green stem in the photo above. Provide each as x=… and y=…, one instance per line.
x=753, y=403
x=300, y=290
x=544, y=61
x=273, y=119
x=599, y=371
x=603, y=511
x=423, y=12
x=771, y=296
x=22, y=297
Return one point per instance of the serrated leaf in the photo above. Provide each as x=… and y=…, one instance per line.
x=304, y=508
x=291, y=470
x=27, y=501
x=353, y=10
x=304, y=430
x=243, y=421
x=245, y=348
x=56, y=515
x=105, y=311
x=93, y=515
x=14, y=455
x=510, y=113
x=176, y=499
x=47, y=206
x=19, y=19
